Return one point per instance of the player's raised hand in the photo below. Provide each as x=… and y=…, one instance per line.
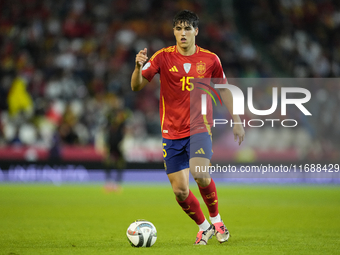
x=141, y=57
x=238, y=132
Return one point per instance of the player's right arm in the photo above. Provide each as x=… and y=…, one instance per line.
x=137, y=80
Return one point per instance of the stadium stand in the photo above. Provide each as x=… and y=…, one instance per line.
x=65, y=65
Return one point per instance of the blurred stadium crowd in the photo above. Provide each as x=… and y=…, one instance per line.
x=66, y=65
x=303, y=35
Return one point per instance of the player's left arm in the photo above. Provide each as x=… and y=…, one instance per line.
x=238, y=129
x=227, y=99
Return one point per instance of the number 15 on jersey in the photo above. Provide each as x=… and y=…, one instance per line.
x=186, y=83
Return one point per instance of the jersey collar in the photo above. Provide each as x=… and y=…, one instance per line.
x=197, y=50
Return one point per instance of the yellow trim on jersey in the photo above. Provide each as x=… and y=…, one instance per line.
x=169, y=49
x=207, y=124
x=154, y=55
x=207, y=51
x=163, y=113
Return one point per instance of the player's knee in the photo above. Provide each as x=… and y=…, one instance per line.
x=181, y=194
x=203, y=182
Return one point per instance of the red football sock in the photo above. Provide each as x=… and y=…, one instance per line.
x=191, y=206
x=209, y=195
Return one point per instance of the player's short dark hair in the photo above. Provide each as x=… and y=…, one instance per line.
x=186, y=16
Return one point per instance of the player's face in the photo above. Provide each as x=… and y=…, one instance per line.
x=185, y=35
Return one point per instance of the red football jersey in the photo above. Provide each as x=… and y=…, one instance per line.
x=179, y=117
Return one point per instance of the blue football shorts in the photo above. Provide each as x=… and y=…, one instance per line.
x=178, y=152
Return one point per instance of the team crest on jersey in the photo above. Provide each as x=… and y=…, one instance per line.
x=187, y=67
x=200, y=68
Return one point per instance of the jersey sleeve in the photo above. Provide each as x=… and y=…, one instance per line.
x=218, y=73
x=152, y=66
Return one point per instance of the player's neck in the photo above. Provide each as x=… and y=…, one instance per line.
x=187, y=51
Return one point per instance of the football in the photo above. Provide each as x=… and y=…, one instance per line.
x=141, y=233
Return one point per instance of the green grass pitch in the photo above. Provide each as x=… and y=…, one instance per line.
x=83, y=219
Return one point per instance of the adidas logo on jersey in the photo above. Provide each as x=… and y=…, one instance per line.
x=173, y=69
x=200, y=151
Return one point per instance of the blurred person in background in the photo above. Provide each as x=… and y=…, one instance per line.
x=114, y=157
x=4, y=86
x=19, y=100
x=67, y=132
